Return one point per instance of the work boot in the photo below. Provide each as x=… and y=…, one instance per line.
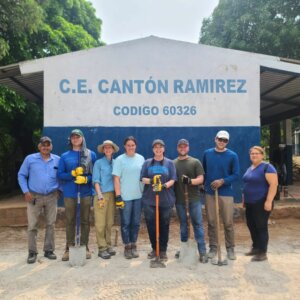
x=151, y=254
x=163, y=255
x=253, y=251
x=127, y=251
x=50, y=254
x=104, y=254
x=111, y=251
x=65, y=256
x=259, y=257
x=31, y=257
x=134, y=252
x=203, y=258
x=88, y=253
x=212, y=252
x=177, y=254
x=231, y=254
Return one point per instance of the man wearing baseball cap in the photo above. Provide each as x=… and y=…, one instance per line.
x=221, y=166
x=38, y=181
x=190, y=175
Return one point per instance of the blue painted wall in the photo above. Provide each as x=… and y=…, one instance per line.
x=201, y=138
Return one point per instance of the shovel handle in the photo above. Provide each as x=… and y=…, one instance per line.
x=157, y=222
x=218, y=225
x=188, y=218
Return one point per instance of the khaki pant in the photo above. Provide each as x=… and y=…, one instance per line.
x=104, y=220
x=48, y=205
x=226, y=213
x=70, y=212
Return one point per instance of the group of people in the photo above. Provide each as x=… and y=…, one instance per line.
x=128, y=183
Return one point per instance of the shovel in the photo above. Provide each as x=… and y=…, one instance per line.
x=157, y=262
x=219, y=261
x=77, y=253
x=188, y=250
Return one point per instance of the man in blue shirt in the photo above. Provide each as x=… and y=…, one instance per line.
x=221, y=167
x=38, y=181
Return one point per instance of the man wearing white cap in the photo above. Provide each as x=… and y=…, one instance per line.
x=221, y=167
x=104, y=201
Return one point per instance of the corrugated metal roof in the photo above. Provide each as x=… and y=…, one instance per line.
x=30, y=86
x=280, y=94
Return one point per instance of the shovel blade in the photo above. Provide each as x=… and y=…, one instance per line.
x=77, y=256
x=157, y=263
x=189, y=253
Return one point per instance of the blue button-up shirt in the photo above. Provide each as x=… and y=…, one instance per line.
x=102, y=173
x=37, y=175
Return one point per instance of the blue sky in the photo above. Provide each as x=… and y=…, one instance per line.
x=131, y=19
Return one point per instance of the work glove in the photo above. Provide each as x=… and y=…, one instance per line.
x=119, y=202
x=186, y=180
x=81, y=180
x=101, y=201
x=157, y=187
x=77, y=172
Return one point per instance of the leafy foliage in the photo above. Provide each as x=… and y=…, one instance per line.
x=263, y=26
x=31, y=29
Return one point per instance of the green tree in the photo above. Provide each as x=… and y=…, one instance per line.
x=264, y=26
x=31, y=29
x=18, y=20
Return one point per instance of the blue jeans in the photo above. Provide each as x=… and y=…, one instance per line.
x=131, y=220
x=164, y=222
x=195, y=210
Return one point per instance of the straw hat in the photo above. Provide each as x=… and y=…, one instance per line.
x=108, y=142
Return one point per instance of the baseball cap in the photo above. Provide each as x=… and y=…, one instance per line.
x=76, y=132
x=222, y=134
x=183, y=142
x=158, y=141
x=45, y=139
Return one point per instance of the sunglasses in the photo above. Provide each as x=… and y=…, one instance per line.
x=223, y=140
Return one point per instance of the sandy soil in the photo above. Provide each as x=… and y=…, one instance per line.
x=117, y=278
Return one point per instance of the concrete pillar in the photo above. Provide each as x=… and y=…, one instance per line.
x=288, y=153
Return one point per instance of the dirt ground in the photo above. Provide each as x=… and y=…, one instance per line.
x=117, y=278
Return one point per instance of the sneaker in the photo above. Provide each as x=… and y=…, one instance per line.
x=163, y=256
x=88, y=254
x=212, y=253
x=231, y=254
x=104, y=254
x=127, y=252
x=203, y=258
x=253, y=251
x=151, y=254
x=50, y=254
x=111, y=251
x=31, y=257
x=259, y=257
x=177, y=254
x=65, y=256
x=134, y=252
